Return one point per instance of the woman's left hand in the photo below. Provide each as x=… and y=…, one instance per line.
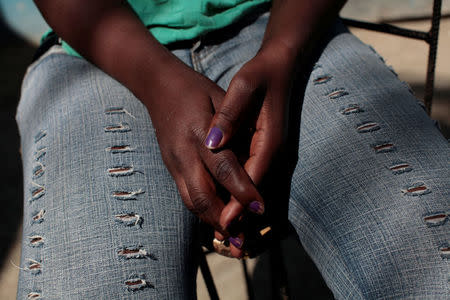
x=258, y=98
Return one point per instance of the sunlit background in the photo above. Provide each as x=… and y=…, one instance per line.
x=23, y=17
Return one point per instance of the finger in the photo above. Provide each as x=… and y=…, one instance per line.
x=264, y=146
x=237, y=102
x=229, y=218
x=201, y=198
x=219, y=236
x=232, y=211
x=237, y=245
x=226, y=247
x=225, y=168
x=222, y=247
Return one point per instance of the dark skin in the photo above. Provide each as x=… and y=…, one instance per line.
x=184, y=104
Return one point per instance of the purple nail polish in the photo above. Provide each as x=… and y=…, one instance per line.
x=214, y=137
x=256, y=207
x=237, y=242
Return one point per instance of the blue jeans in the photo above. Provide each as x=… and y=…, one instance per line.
x=103, y=219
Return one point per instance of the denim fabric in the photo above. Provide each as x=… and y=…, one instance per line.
x=103, y=219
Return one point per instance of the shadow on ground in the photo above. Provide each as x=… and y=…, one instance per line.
x=303, y=280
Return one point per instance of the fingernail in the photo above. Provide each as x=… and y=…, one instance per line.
x=214, y=137
x=237, y=242
x=256, y=207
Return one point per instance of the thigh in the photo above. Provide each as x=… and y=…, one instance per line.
x=369, y=195
x=102, y=216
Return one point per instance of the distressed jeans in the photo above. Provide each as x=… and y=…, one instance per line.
x=369, y=196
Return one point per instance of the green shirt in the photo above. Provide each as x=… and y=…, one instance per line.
x=177, y=20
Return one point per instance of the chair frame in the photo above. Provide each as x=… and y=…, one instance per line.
x=430, y=37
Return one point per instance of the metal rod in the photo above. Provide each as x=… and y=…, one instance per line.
x=207, y=277
x=387, y=28
x=280, y=289
x=433, y=35
x=250, y=294
x=412, y=18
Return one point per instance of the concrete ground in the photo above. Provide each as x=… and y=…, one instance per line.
x=408, y=58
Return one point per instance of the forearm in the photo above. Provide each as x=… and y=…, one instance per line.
x=295, y=23
x=110, y=35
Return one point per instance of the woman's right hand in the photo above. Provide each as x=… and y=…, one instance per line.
x=181, y=105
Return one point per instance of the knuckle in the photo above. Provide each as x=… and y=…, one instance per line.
x=201, y=202
x=243, y=82
x=184, y=195
x=223, y=168
x=177, y=158
x=188, y=204
x=198, y=135
x=228, y=114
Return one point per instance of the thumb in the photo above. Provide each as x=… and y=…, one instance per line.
x=226, y=120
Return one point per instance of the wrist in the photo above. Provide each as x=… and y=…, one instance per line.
x=158, y=82
x=281, y=51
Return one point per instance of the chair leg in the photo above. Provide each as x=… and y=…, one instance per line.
x=280, y=288
x=207, y=277
x=250, y=293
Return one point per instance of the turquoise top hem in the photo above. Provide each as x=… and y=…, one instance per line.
x=179, y=20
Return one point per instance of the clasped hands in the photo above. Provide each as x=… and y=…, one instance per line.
x=206, y=142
